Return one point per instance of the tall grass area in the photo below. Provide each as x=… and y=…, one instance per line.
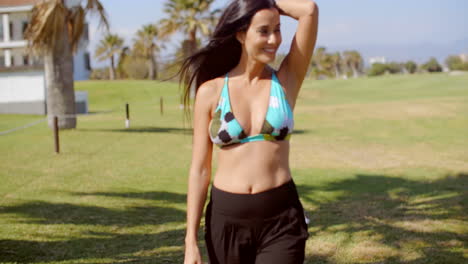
x=381, y=165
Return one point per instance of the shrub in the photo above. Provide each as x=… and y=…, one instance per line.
x=377, y=69
x=135, y=67
x=411, y=66
x=432, y=66
x=100, y=74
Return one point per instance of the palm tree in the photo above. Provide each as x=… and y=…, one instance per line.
x=55, y=31
x=145, y=46
x=317, y=57
x=317, y=62
x=325, y=65
x=337, y=63
x=328, y=65
x=124, y=54
x=109, y=46
x=189, y=16
x=353, y=61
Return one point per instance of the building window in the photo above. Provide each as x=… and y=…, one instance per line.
x=86, y=32
x=36, y=61
x=2, y=61
x=25, y=60
x=25, y=26
x=87, y=61
x=11, y=31
x=1, y=31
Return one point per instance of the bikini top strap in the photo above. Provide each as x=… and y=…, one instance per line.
x=223, y=98
x=224, y=91
x=276, y=85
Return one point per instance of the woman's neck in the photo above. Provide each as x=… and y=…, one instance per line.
x=250, y=69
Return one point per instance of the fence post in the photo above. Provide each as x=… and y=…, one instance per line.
x=56, y=135
x=161, y=104
x=127, y=120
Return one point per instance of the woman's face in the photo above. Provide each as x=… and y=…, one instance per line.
x=263, y=37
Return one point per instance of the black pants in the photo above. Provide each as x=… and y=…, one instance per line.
x=267, y=227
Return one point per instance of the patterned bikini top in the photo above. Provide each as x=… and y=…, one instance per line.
x=225, y=130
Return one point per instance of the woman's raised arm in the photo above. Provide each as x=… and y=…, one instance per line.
x=294, y=67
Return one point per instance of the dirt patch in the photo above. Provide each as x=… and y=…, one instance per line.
x=313, y=153
x=371, y=251
x=395, y=110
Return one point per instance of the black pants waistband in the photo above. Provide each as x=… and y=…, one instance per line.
x=258, y=205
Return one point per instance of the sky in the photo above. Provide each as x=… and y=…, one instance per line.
x=343, y=24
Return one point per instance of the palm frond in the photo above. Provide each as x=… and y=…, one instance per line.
x=48, y=19
x=76, y=25
x=187, y=16
x=108, y=46
x=95, y=7
x=146, y=42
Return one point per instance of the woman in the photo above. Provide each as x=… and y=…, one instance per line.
x=245, y=107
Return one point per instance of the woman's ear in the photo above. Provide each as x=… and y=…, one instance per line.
x=240, y=36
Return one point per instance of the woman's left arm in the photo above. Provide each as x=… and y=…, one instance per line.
x=294, y=66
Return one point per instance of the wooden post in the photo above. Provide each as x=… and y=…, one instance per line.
x=127, y=120
x=161, y=104
x=56, y=135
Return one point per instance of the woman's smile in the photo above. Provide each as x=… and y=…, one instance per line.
x=270, y=50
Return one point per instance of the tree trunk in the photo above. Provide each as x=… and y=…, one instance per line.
x=112, y=69
x=190, y=46
x=155, y=69
x=192, y=41
x=337, y=72
x=152, y=72
x=58, y=66
x=355, y=72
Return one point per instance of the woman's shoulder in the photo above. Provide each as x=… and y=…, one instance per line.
x=210, y=90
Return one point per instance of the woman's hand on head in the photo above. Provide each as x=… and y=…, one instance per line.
x=281, y=11
x=296, y=8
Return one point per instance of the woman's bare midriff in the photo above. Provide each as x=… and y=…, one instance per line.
x=252, y=167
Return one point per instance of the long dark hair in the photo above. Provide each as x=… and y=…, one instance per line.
x=223, y=51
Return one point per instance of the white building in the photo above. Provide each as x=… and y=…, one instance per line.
x=464, y=57
x=22, y=78
x=373, y=60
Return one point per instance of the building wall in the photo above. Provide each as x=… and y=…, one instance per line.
x=373, y=60
x=80, y=71
x=17, y=20
x=22, y=86
x=23, y=92
x=464, y=57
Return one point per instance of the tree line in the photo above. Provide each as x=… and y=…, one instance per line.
x=55, y=30
x=194, y=18
x=140, y=61
x=453, y=63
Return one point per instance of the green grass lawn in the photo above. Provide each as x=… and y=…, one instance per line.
x=381, y=166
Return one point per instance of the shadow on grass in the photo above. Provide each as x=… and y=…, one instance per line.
x=397, y=213
x=161, y=247
x=301, y=131
x=121, y=247
x=392, y=212
x=164, y=130
x=65, y=213
x=157, y=196
x=149, y=129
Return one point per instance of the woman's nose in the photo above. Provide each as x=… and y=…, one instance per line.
x=273, y=39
